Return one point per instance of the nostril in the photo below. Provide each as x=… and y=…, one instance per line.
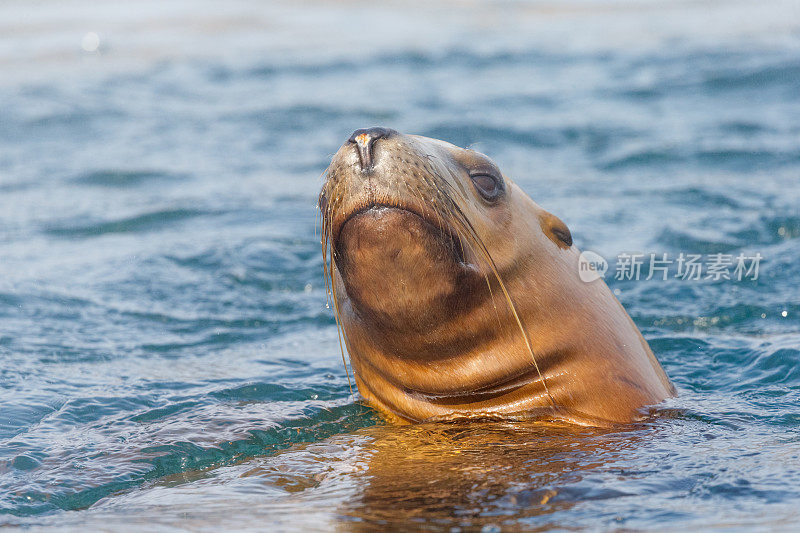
x=364, y=139
x=372, y=133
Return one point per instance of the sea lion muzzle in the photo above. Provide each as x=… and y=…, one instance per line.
x=364, y=139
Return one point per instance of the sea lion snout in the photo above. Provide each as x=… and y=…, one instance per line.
x=365, y=139
x=389, y=214
x=380, y=167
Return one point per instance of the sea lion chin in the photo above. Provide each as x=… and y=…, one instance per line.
x=395, y=265
x=458, y=296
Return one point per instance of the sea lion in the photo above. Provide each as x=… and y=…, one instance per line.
x=458, y=296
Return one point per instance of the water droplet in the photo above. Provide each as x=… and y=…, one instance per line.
x=90, y=42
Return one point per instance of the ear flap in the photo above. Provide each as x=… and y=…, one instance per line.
x=556, y=230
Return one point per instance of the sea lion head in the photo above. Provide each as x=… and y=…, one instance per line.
x=412, y=222
x=441, y=269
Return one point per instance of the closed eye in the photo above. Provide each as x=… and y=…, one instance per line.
x=488, y=186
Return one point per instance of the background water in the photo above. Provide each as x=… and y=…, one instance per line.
x=166, y=356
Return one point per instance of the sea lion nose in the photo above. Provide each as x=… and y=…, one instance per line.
x=364, y=139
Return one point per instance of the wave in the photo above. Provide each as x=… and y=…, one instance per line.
x=124, y=178
x=162, y=460
x=142, y=223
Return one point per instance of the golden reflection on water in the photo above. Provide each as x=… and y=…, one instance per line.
x=477, y=473
x=443, y=475
x=439, y=476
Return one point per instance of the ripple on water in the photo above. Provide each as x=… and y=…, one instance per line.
x=149, y=462
x=141, y=223
x=125, y=178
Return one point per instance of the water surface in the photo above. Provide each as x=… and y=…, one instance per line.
x=166, y=355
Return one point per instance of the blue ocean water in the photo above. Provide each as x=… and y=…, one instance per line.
x=167, y=357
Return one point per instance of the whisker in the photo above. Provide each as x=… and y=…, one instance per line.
x=328, y=269
x=339, y=328
x=461, y=220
